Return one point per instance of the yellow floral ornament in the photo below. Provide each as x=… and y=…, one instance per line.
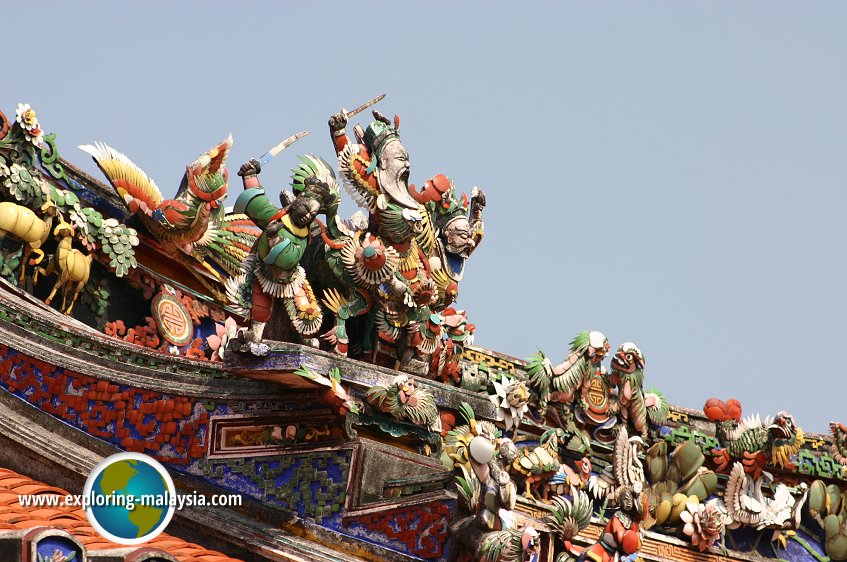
x=26, y=119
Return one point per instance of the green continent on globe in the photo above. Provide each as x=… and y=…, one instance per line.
x=116, y=476
x=145, y=518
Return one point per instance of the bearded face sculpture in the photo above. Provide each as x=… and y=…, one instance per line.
x=394, y=173
x=458, y=239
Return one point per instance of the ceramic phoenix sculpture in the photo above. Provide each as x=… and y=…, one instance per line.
x=193, y=227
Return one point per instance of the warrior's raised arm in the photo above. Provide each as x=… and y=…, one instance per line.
x=338, y=123
x=338, y=131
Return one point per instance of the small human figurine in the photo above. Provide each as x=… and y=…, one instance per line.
x=621, y=539
x=499, y=491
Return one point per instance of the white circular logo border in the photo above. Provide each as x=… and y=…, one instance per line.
x=140, y=457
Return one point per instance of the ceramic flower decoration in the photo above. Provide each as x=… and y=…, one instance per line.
x=704, y=523
x=26, y=118
x=223, y=333
x=511, y=398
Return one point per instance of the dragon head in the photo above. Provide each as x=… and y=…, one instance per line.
x=628, y=358
x=783, y=427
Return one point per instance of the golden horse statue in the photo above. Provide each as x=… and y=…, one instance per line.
x=73, y=267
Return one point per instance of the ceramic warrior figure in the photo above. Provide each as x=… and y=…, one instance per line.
x=455, y=231
x=272, y=271
x=376, y=171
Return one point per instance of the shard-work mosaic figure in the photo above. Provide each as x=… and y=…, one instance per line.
x=272, y=272
x=580, y=378
x=754, y=442
x=193, y=227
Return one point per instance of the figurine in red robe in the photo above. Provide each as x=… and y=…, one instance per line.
x=622, y=535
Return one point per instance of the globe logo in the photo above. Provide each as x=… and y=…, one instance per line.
x=129, y=498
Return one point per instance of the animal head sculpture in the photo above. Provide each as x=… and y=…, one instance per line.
x=628, y=358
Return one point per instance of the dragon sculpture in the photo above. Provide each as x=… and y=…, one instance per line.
x=755, y=442
x=193, y=226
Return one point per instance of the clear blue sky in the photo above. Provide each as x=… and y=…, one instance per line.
x=671, y=173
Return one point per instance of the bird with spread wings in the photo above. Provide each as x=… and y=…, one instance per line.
x=193, y=227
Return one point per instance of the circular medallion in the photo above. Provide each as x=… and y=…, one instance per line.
x=172, y=319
